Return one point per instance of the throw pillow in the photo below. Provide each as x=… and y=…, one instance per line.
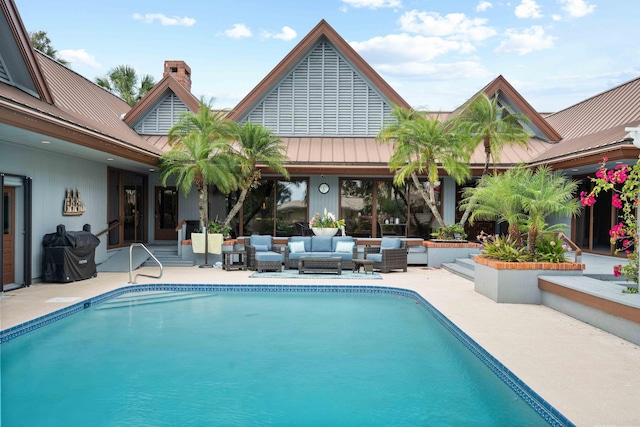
x=296, y=247
x=261, y=248
x=344, y=247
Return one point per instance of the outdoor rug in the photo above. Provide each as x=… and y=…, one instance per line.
x=293, y=274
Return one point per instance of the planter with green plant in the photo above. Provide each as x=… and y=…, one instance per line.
x=508, y=266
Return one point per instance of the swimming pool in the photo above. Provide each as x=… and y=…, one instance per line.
x=310, y=355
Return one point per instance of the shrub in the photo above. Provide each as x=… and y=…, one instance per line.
x=503, y=248
x=550, y=249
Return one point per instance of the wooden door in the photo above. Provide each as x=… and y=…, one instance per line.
x=8, y=253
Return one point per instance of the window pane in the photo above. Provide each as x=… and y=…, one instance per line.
x=356, y=204
x=392, y=209
x=258, y=210
x=7, y=213
x=292, y=212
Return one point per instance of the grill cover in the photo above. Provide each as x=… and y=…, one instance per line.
x=69, y=255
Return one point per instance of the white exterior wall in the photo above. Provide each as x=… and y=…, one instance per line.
x=51, y=174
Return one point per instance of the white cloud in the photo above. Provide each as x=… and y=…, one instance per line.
x=79, y=57
x=286, y=34
x=238, y=31
x=528, y=9
x=408, y=47
x=483, y=6
x=527, y=41
x=454, y=25
x=373, y=4
x=577, y=8
x=437, y=71
x=149, y=18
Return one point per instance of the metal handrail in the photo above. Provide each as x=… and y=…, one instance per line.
x=133, y=280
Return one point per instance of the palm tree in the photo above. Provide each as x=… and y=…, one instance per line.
x=199, y=156
x=423, y=144
x=543, y=193
x=492, y=125
x=125, y=83
x=492, y=200
x=41, y=41
x=254, y=144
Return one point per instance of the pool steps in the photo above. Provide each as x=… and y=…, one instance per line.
x=152, y=297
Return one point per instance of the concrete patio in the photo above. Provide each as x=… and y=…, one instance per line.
x=590, y=376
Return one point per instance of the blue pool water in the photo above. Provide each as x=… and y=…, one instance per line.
x=252, y=358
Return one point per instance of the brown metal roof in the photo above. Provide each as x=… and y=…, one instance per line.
x=323, y=29
x=595, y=123
x=83, y=113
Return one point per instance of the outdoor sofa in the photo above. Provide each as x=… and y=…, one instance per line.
x=343, y=247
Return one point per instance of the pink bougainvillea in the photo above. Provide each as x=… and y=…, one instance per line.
x=623, y=183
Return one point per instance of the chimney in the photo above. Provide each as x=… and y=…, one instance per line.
x=180, y=71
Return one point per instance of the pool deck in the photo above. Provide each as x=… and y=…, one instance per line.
x=590, y=376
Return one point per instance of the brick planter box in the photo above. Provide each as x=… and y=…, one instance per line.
x=517, y=282
x=447, y=251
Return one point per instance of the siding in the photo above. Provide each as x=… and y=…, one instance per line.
x=165, y=114
x=322, y=96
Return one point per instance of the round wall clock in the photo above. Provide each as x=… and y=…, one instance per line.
x=323, y=188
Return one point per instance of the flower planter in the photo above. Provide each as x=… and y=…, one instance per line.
x=439, y=251
x=327, y=232
x=517, y=282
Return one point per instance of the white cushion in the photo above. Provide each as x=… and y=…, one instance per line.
x=296, y=247
x=344, y=247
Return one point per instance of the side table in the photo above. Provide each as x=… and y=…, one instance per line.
x=367, y=264
x=228, y=262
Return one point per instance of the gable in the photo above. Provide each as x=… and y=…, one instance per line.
x=162, y=116
x=18, y=65
x=323, y=95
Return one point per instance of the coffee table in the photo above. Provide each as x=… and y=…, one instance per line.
x=320, y=265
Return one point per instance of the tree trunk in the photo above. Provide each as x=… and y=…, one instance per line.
x=236, y=208
x=531, y=240
x=203, y=206
x=487, y=152
x=429, y=199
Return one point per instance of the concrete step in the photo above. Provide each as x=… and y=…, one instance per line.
x=459, y=269
x=466, y=262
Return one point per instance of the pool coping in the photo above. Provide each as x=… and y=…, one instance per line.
x=551, y=415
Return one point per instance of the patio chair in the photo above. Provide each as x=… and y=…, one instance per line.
x=390, y=255
x=262, y=254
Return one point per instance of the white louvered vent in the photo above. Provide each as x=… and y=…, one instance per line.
x=322, y=96
x=4, y=75
x=160, y=119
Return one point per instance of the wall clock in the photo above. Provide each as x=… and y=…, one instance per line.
x=323, y=188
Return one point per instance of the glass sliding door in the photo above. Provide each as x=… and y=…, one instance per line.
x=356, y=206
x=166, y=213
x=292, y=214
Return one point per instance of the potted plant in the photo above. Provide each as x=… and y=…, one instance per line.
x=508, y=266
x=327, y=224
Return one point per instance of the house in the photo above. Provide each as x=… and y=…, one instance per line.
x=61, y=134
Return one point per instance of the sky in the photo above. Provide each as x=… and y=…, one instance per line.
x=436, y=54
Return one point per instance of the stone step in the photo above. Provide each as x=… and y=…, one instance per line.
x=466, y=262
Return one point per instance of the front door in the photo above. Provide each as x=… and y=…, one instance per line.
x=166, y=213
x=8, y=236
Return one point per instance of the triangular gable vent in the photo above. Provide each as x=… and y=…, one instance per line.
x=4, y=74
x=162, y=117
x=322, y=96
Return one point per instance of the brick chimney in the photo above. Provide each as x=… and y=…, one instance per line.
x=180, y=71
